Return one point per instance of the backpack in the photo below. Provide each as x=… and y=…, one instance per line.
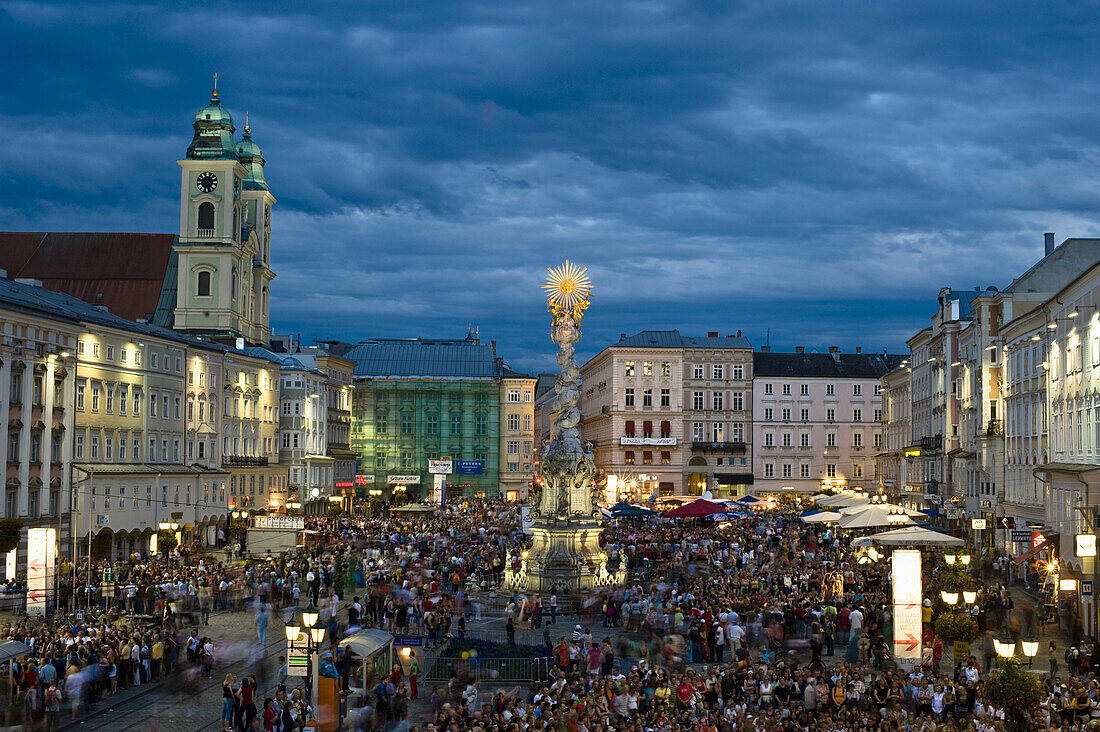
x=51, y=698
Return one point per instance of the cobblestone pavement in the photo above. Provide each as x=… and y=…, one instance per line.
x=171, y=707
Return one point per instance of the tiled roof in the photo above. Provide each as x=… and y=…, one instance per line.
x=125, y=272
x=673, y=339
x=843, y=366
x=59, y=306
x=420, y=358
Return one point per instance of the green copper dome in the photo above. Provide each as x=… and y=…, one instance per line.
x=214, y=130
x=253, y=160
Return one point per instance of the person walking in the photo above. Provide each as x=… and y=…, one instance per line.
x=414, y=673
x=261, y=625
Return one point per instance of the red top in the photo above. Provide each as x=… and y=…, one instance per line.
x=270, y=716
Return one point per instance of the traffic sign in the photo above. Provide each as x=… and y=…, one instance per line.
x=1086, y=588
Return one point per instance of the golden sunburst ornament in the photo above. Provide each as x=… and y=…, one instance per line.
x=567, y=284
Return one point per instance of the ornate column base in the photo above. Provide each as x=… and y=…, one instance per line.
x=565, y=558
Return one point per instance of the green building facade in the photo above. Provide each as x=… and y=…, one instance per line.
x=419, y=400
x=398, y=425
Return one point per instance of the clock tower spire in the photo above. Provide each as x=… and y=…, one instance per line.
x=215, y=248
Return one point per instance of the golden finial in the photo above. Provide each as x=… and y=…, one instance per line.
x=567, y=285
x=247, y=127
x=215, y=92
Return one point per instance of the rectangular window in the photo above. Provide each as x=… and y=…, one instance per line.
x=857, y=415
x=718, y=432
x=109, y=400
x=804, y=390
x=93, y=451
x=698, y=402
x=857, y=439
x=647, y=428
x=830, y=470
x=718, y=371
x=666, y=457
x=718, y=401
x=805, y=414
x=406, y=423
x=152, y=404
x=786, y=439
x=829, y=390
x=666, y=398
x=513, y=447
x=878, y=415
x=380, y=459
x=804, y=439
x=122, y=392
x=878, y=440
x=95, y=397
x=647, y=368
x=164, y=401
x=786, y=390
x=697, y=371
x=830, y=414
x=804, y=470
x=628, y=368
x=628, y=428
x=513, y=422
x=80, y=397
x=857, y=471
x=647, y=397
x=108, y=448
x=666, y=428
x=767, y=389
x=164, y=450
x=857, y=390
x=666, y=368
x=137, y=402
x=176, y=409
x=629, y=397
x=738, y=371
x=787, y=470
x=95, y=350
x=153, y=449
x=769, y=439
x=78, y=448
x=786, y=414
x=629, y=457
x=528, y=396
x=513, y=395
x=830, y=439
x=647, y=457
x=769, y=470
x=513, y=467
x=737, y=401
x=769, y=414
x=481, y=425
x=698, y=431
x=80, y=348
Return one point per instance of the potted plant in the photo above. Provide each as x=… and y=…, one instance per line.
x=1015, y=691
x=955, y=626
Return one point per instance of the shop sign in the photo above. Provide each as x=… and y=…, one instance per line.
x=977, y=524
x=364, y=479
x=1086, y=545
x=1021, y=537
x=404, y=479
x=296, y=523
x=469, y=467
x=656, y=441
x=440, y=467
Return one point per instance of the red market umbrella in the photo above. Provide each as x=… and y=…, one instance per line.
x=696, y=509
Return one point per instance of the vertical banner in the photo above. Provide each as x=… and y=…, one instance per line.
x=11, y=564
x=439, y=487
x=907, y=608
x=527, y=521
x=41, y=553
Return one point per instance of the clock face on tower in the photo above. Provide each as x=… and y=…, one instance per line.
x=207, y=182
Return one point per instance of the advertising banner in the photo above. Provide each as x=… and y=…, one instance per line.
x=907, y=608
x=440, y=467
x=469, y=467
x=41, y=554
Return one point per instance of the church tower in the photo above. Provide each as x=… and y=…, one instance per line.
x=257, y=218
x=217, y=247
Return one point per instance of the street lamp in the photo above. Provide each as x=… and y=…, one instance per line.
x=1004, y=645
x=951, y=598
x=314, y=637
x=1030, y=647
x=949, y=558
x=969, y=596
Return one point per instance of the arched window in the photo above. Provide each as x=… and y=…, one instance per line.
x=264, y=304
x=206, y=219
x=203, y=287
x=233, y=285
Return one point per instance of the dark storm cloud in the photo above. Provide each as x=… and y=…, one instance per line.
x=816, y=169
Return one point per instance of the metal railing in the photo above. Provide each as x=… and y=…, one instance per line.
x=505, y=670
x=244, y=461
x=736, y=445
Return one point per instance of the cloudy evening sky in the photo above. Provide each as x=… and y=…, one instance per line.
x=817, y=168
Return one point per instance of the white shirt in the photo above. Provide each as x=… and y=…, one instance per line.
x=856, y=620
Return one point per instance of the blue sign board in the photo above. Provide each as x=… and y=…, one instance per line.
x=79, y=616
x=1021, y=537
x=469, y=467
x=1086, y=588
x=408, y=640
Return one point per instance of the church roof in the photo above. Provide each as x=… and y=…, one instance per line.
x=423, y=358
x=125, y=272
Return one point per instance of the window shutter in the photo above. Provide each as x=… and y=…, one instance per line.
x=666, y=428
x=629, y=428
x=647, y=428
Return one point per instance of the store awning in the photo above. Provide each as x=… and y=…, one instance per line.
x=10, y=649
x=367, y=642
x=1047, y=544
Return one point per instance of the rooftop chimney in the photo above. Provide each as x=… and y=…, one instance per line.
x=765, y=349
x=738, y=334
x=834, y=349
x=712, y=334
x=800, y=349
x=622, y=336
x=859, y=349
x=1048, y=243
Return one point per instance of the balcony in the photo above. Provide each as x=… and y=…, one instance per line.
x=243, y=461
x=738, y=446
x=994, y=427
x=205, y=233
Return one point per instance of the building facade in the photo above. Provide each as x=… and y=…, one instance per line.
x=517, y=432
x=817, y=419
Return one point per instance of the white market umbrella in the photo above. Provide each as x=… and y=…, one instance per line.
x=873, y=517
x=822, y=517
x=916, y=536
x=862, y=542
x=888, y=506
x=845, y=501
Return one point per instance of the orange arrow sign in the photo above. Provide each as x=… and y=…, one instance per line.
x=912, y=641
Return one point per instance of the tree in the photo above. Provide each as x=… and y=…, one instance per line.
x=10, y=531
x=1015, y=691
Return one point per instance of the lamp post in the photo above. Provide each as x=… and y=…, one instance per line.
x=1030, y=647
x=1004, y=645
x=314, y=633
x=950, y=597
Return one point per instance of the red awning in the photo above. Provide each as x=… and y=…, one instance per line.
x=1032, y=552
x=696, y=509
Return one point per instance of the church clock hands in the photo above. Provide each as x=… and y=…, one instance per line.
x=207, y=182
